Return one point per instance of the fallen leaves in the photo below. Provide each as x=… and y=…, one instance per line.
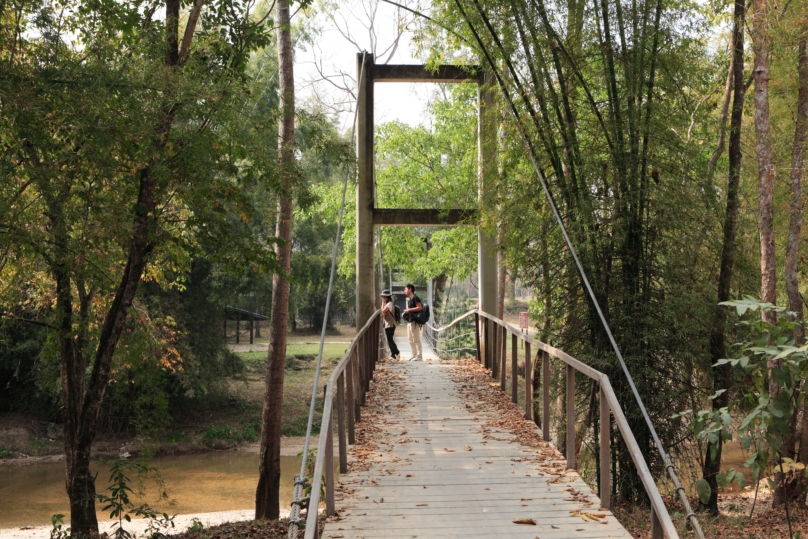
x=523, y=520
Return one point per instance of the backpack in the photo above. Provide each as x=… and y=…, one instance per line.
x=397, y=313
x=423, y=317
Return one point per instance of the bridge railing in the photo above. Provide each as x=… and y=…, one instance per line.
x=496, y=360
x=349, y=382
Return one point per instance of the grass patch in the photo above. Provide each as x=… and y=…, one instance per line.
x=292, y=350
x=218, y=435
x=301, y=363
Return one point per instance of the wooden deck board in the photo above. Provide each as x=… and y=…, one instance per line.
x=424, y=482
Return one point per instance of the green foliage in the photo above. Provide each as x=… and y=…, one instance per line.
x=229, y=435
x=196, y=526
x=774, y=371
x=5, y=452
x=120, y=506
x=58, y=530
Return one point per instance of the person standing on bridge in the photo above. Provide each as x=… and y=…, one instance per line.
x=413, y=318
x=389, y=319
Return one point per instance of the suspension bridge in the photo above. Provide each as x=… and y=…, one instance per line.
x=431, y=460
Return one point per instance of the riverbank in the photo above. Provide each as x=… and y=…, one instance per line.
x=291, y=446
x=227, y=418
x=181, y=524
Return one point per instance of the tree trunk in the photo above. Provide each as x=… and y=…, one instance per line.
x=719, y=149
x=797, y=158
x=501, y=277
x=795, y=223
x=763, y=147
x=267, y=496
x=721, y=374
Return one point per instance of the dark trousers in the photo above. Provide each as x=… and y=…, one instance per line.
x=390, y=341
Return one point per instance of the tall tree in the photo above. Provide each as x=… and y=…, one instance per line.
x=267, y=497
x=763, y=148
x=795, y=225
x=795, y=221
x=718, y=350
x=109, y=147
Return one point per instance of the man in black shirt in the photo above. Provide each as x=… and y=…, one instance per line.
x=412, y=315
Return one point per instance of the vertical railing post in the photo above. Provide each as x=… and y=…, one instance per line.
x=514, y=371
x=528, y=384
x=375, y=357
x=570, y=417
x=656, y=526
x=329, y=459
x=368, y=371
x=503, y=358
x=356, y=396
x=477, y=336
x=545, y=397
x=605, y=452
x=350, y=378
x=343, y=439
x=369, y=344
x=494, y=350
x=486, y=344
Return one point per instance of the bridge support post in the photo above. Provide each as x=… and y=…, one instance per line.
x=343, y=439
x=494, y=350
x=605, y=453
x=365, y=279
x=486, y=245
x=503, y=357
x=656, y=526
x=528, y=384
x=477, y=336
x=545, y=397
x=570, y=417
x=328, y=432
x=515, y=371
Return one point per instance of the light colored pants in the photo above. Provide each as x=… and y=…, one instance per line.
x=414, y=334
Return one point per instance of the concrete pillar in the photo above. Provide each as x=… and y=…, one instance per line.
x=365, y=278
x=486, y=245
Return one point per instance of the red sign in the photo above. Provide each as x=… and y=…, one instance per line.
x=523, y=321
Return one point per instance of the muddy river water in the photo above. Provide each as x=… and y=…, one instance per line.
x=198, y=483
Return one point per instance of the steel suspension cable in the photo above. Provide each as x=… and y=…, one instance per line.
x=669, y=467
x=300, y=479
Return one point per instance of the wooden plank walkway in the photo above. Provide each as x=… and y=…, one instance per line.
x=437, y=472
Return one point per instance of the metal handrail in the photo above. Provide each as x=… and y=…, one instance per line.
x=357, y=381
x=353, y=383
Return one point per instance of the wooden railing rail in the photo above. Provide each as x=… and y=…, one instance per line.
x=493, y=356
x=351, y=377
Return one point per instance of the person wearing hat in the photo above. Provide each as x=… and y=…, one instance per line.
x=389, y=319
